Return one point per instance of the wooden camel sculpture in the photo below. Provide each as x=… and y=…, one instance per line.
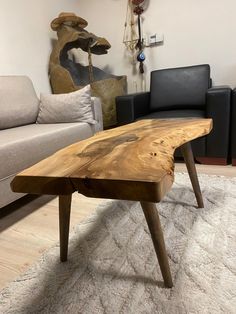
x=67, y=75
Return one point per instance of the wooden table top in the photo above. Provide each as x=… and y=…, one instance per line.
x=133, y=162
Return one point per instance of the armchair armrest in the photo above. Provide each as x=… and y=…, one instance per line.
x=130, y=107
x=97, y=114
x=218, y=108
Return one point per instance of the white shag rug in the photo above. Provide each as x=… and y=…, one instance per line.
x=112, y=266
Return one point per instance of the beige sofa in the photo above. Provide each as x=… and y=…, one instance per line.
x=22, y=141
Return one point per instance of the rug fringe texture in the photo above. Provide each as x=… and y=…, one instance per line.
x=112, y=266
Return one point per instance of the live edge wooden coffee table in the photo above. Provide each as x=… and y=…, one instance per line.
x=131, y=162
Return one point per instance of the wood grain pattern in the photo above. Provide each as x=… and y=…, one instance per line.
x=132, y=162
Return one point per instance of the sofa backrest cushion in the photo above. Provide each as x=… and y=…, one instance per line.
x=19, y=103
x=179, y=88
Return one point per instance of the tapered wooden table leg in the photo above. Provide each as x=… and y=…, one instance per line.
x=189, y=161
x=153, y=221
x=64, y=224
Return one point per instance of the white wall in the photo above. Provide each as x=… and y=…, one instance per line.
x=195, y=32
x=26, y=37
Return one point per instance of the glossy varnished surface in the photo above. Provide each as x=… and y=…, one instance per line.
x=133, y=162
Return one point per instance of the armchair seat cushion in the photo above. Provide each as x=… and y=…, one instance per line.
x=187, y=113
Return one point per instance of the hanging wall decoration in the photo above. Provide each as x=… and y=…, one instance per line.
x=131, y=39
x=138, y=10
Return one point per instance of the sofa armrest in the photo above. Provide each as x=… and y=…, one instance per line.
x=97, y=112
x=132, y=106
x=218, y=108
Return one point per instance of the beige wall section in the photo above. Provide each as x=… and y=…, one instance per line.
x=194, y=32
x=26, y=37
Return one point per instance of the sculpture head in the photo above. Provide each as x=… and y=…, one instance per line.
x=68, y=18
x=70, y=30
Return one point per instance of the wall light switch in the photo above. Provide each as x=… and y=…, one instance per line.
x=152, y=39
x=155, y=39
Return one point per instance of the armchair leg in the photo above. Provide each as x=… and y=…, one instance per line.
x=233, y=161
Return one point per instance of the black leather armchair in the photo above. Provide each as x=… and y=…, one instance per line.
x=184, y=92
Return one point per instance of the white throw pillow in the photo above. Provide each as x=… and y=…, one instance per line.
x=63, y=108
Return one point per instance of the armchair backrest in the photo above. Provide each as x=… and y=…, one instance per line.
x=179, y=88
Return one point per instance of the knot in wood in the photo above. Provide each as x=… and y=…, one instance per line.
x=153, y=154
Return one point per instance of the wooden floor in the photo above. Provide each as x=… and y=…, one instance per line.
x=31, y=227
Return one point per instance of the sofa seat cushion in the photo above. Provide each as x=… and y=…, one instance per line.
x=6, y=194
x=19, y=104
x=23, y=146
